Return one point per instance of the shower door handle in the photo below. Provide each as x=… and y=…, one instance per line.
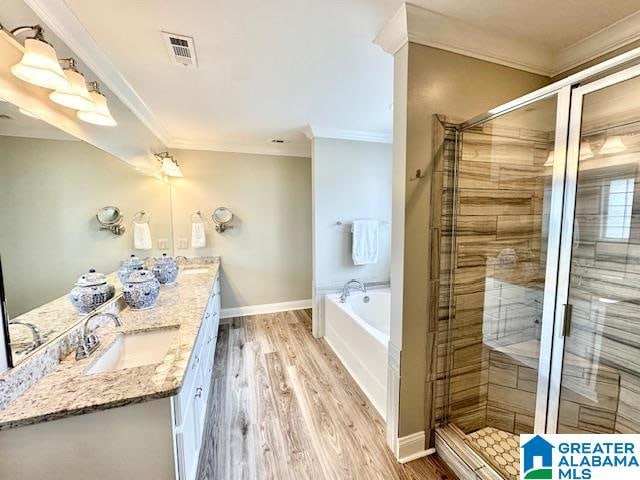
x=566, y=324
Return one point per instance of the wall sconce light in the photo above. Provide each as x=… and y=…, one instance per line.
x=169, y=165
x=39, y=65
x=612, y=144
x=99, y=113
x=585, y=150
x=76, y=95
x=27, y=113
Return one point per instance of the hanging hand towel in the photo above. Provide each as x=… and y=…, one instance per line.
x=141, y=236
x=365, y=242
x=198, y=237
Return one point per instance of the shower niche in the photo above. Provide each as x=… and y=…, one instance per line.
x=539, y=277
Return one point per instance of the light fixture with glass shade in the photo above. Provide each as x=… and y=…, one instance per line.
x=612, y=144
x=99, y=114
x=76, y=95
x=39, y=65
x=27, y=113
x=549, y=162
x=169, y=165
x=585, y=150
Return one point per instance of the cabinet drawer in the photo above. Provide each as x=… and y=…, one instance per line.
x=189, y=382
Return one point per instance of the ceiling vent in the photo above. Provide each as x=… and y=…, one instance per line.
x=181, y=49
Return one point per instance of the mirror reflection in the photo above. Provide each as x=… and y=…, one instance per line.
x=70, y=217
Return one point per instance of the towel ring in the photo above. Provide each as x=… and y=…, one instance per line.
x=139, y=217
x=198, y=215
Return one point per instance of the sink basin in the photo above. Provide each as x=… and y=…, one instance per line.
x=134, y=350
x=191, y=271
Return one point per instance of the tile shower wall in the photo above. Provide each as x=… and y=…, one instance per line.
x=498, y=274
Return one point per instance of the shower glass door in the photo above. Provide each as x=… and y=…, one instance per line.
x=510, y=181
x=595, y=384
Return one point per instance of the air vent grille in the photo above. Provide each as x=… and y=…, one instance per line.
x=181, y=49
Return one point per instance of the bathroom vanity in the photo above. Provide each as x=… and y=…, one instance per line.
x=135, y=408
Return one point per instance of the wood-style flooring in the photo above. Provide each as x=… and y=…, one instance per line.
x=283, y=407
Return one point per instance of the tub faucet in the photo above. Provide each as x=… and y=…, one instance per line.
x=346, y=290
x=90, y=341
x=35, y=333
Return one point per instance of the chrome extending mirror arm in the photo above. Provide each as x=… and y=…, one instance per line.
x=115, y=226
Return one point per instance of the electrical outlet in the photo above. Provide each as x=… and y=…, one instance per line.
x=183, y=243
x=163, y=243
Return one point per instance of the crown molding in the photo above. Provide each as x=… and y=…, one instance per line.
x=292, y=149
x=312, y=132
x=413, y=23
x=394, y=35
x=616, y=35
x=62, y=21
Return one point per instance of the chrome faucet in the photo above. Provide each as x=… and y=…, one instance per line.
x=90, y=341
x=346, y=290
x=35, y=332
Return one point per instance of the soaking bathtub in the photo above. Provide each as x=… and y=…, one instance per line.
x=358, y=332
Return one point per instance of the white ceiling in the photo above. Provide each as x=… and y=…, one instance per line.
x=268, y=68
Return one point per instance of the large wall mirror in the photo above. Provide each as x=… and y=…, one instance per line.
x=52, y=185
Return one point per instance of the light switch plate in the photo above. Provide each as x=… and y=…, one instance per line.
x=183, y=243
x=163, y=243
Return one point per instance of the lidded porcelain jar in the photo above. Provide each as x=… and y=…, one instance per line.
x=141, y=289
x=129, y=265
x=166, y=270
x=91, y=291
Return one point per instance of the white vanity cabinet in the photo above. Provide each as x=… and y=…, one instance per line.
x=189, y=407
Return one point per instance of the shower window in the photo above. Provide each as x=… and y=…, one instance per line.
x=618, y=208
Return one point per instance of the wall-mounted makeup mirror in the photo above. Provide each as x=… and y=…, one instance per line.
x=222, y=217
x=110, y=218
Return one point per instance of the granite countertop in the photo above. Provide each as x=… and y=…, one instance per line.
x=65, y=391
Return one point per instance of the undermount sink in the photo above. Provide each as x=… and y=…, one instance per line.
x=134, y=350
x=191, y=271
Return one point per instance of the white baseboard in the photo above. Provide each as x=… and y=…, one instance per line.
x=265, y=308
x=412, y=446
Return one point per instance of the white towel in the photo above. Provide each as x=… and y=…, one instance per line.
x=141, y=236
x=198, y=237
x=365, y=242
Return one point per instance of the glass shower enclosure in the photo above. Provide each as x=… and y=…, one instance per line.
x=543, y=329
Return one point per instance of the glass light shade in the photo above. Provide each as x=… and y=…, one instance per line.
x=99, y=114
x=28, y=113
x=74, y=96
x=585, y=150
x=171, y=168
x=612, y=144
x=39, y=66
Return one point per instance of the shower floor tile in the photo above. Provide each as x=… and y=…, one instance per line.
x=500, y=449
